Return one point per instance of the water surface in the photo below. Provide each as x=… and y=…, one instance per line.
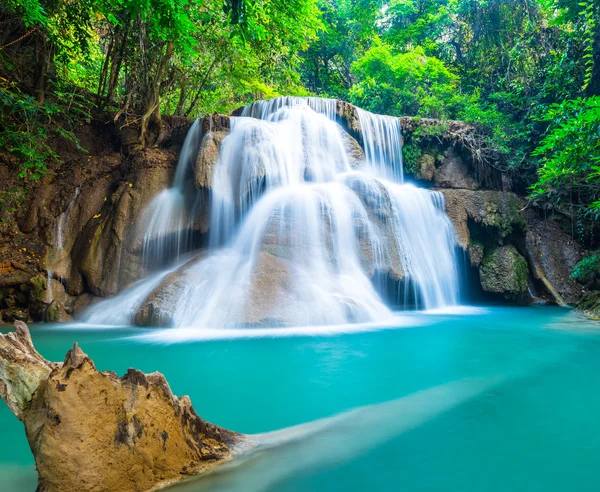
x=499, y=399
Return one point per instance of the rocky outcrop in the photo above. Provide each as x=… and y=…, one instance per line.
x=82, y=221
x=93, y=431
x=497, y=213
x=106, y=256
x=207, y=158
x=553, y=254
x=453, y=173
x=504, y=271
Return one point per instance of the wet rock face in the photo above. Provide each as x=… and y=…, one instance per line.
x=106, y=256
x=504, y=271
x=555, y=253
x=208, y=157
x=425, y=167
x=92, y=431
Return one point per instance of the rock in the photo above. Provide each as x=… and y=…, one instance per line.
x=348, y=116
x=354, y=151
x=207, y=158
x=425, y=167
x=42, y=292
x=13, y=273
x=107, y=254
x=589, y=305
x=92, y=431
x=75, y=304
x=497, y=212
x=270, y=298
x=9, y=315
x=475, y=254
x=454, y=173
x=56, y=313
x=553, y=254
x=22, y=370
x=504, y=271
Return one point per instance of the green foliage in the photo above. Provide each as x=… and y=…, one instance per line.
x=406, y=83
x=410, y=154
x=527, y=73
x=570, y=153
x=26, y=133
x=587, y=271
x=10, y=201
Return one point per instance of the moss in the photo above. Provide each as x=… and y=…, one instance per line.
x=587, y=271
x=411, y=154
x=589, y=305
x=37, y=288
x=521, y=269
x=504, y=271
x=511, y=218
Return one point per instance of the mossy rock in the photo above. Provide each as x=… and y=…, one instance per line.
x=56, y=313
x=504, y=271
x=37, y=288
x=589, y=305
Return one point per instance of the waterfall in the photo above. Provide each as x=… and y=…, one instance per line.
x=169, y=216
x=297, y=231
x=382, y=141
x=59, y=242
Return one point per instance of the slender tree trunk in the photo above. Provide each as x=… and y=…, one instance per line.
x=104, y=72
x=42, y=54
x=152, y=111
x=116, y=65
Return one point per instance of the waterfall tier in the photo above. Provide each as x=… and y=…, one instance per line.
x=300, y=226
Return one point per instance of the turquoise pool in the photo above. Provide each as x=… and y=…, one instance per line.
x=493, y=398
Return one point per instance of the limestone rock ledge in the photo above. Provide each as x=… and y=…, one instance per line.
x=93, y=431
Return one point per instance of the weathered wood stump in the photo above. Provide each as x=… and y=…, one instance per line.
x=93, y=431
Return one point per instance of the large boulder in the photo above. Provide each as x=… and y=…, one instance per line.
x=56, y=313
x=93, y=431
x=214, y=128
x=504, y=271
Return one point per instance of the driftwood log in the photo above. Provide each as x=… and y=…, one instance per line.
x=93, y=431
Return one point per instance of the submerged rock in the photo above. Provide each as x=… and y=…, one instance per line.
x=93, y=431
x=504, y=271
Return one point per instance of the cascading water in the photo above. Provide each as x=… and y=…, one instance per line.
x=296, y=232
x=169, y=216
x=59, y=242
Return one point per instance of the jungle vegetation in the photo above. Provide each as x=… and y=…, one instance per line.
x=526, y=71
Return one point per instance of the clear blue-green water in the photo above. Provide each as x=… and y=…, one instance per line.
x=501, y=399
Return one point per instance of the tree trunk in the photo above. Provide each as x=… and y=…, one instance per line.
x=151, y=117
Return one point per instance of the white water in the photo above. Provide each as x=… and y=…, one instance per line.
x=295, y=232
x=169, y=216
x=59, y=243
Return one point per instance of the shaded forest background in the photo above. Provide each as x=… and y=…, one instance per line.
x=526, y=71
